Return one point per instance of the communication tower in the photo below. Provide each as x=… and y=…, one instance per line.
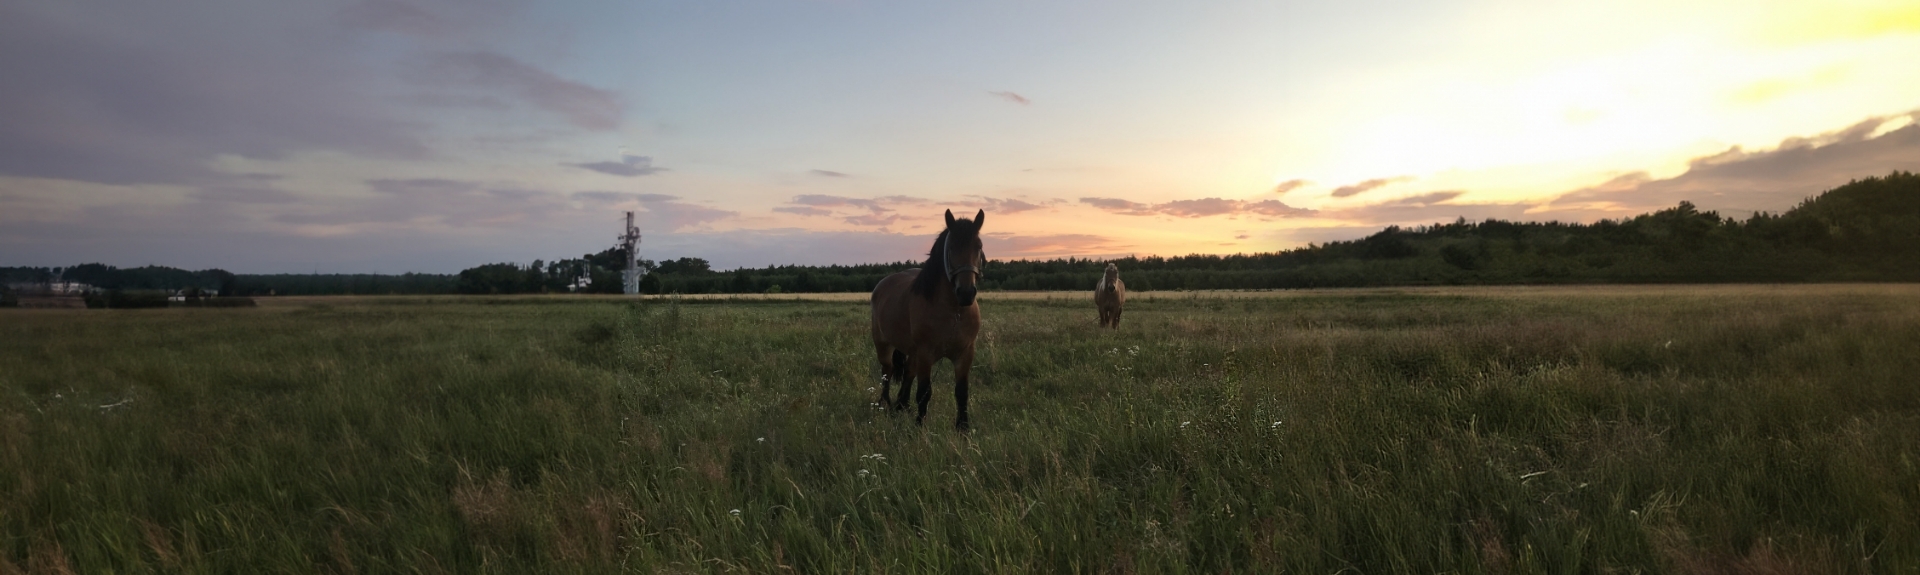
x=630, y=279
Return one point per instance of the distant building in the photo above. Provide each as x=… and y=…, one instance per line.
x=49, y=288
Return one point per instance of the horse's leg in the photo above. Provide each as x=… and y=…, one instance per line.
x=888, y=359
x=1116, y=318
x=902, y=374
x=961, y=368
x=923, y=375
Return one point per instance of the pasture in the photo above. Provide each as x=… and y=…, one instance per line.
x=1666, y=429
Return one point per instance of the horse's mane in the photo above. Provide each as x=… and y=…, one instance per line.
x=935, y=270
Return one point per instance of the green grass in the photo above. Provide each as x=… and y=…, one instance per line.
x=1586, y=430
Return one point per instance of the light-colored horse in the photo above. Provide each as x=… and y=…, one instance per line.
x=1109, y=295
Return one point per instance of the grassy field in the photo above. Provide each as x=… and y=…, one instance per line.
x=1673, y=429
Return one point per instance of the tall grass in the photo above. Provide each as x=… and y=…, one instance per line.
x=1578, y=431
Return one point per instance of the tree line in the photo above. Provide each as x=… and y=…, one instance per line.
x=1865, y=230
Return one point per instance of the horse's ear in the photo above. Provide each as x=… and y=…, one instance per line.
x=980, y=219
x=949, y=218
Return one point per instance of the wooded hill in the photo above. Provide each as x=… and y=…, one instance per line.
x=1866, y=230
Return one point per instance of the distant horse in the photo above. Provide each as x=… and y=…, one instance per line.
x=1109, y=295
x=928, y=313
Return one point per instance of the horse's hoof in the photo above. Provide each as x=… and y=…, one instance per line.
x=962, y=426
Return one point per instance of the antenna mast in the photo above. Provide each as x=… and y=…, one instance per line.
x=630, y=279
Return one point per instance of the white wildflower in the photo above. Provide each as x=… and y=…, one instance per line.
x=735, y=513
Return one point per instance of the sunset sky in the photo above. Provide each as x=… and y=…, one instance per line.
x=386, y=136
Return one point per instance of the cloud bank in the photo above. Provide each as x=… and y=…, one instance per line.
x=1011, y=97
x=585, y=106
x=1738, y=181
x=629, y=166
x=115, y=94
x=1362, y=187
x=1199, y=208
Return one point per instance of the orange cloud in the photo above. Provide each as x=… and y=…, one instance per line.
x=1199, y=208
x=1012, y=97
x=1355, y=189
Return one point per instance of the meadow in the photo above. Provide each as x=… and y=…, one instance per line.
x=1668, y=429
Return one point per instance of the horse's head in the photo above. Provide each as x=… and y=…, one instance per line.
x=1113, y=273
x=963, y=256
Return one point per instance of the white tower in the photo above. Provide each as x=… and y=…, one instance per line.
x=630, y=279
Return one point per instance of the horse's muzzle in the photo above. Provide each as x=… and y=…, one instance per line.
x=965, y=294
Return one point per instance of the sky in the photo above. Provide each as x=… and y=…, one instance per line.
x=388, y=136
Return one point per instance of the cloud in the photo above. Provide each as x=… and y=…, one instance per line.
x=1199, y=208
x=1119, y=206
x=1012, y=97
x=392, y=16
x=424, y=204
x=245, y=189
x=1012, y=206
x=876, y=220
x=828, y=174
x=875, y=206
x=804, y=210
x=220, y=235
x=1008, y=246
x=825, y=200
x=1005, y=205
x=602, y=197
x=1273, y=208
x=1289, y=185
x=1738, y=181
x=1355, y=189
x=629, y=166
x=882, y=211
x=421, y=187
x=584, y=106
x=1431, y=207
x=664, y=211
x=1424, y=199
x=144, y=93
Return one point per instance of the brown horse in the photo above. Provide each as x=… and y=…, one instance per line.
x=928, y=313
x=1109, y=295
